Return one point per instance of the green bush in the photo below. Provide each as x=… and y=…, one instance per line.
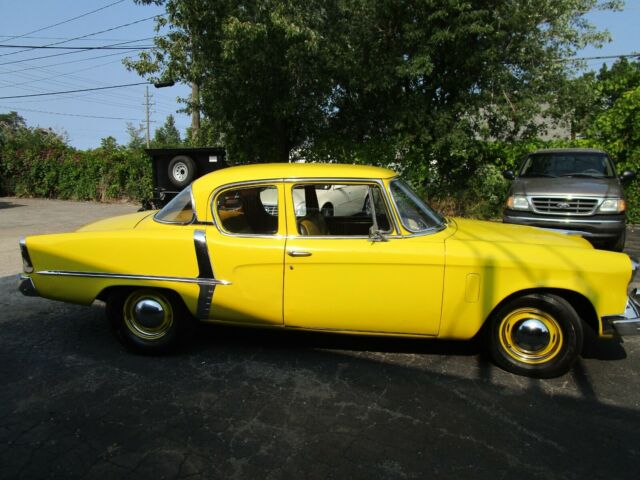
x=37, y=163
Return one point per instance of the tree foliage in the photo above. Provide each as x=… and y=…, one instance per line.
x=167, y=135
x=379, y=81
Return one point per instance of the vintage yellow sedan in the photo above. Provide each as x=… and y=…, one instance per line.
x=393, y=266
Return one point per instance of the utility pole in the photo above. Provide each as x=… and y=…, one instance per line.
x=195, y=109
x=147, y=104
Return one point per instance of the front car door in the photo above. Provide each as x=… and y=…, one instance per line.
x=337, y=278
x=246, y=248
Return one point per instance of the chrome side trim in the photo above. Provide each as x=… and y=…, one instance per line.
x=26, y=259
x=205, y=273
x=123, y=276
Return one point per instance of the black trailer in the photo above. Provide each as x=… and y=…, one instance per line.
x=175, y=168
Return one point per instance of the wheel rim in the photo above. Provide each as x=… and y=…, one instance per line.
x=148, y=314
x=531, y=336
x=180, y=171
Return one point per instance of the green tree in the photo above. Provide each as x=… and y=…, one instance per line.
x=136, y=137
x=167, y=135
x=414, y=82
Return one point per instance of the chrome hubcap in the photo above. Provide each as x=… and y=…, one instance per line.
x=180, y=171
x=149, y=313
x=531, y=335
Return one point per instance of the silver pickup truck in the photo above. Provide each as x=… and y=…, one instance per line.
x=570, y=189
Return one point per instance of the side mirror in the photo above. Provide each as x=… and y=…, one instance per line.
x=376, y=235
x=509, y=175
x=627, y=176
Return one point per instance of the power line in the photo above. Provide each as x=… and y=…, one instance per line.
x=65, y=63
x=65, y=21
x=602, y=57
x=76, y=38
x=76, y=91
x=104, y=47
x=71, y=114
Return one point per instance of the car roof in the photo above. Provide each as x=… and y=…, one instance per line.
x=203, y=186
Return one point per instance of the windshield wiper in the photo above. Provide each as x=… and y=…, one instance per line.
x=532, y=175
x=587, y=175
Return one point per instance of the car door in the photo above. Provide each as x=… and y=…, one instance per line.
x=246, y=248
x=349, y=282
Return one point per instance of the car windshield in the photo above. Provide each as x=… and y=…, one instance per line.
x=570, y=164
x=179, y=210
x=416, y=216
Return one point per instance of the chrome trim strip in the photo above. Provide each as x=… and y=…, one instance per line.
x=561, y=220
x=26, y=259
x=205, y=269
x=123, y=276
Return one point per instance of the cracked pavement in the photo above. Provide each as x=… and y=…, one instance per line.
x=237, y=403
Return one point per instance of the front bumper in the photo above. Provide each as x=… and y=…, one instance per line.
x=595, y=228
x=26, y=286
x=626, y=324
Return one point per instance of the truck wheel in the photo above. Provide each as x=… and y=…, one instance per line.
x=182, y=171
x=147, y=320
x=536, y=335
x=617, y=245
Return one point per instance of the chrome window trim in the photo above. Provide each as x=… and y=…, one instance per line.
x=194, y=216
x=598, y=200
x=243, y=184
x=343, y=180
x=414, y=233
x=126, y=276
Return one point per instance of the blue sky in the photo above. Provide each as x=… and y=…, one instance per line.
x=72, y=113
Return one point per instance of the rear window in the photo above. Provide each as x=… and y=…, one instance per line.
x=179, y=210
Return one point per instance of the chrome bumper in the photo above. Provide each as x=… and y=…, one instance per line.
x=27, y=287
x=626, y=324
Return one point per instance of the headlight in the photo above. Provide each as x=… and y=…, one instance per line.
x=518, y=202
x=613, y=205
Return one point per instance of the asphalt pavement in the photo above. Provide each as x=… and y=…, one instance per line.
x=238, y=403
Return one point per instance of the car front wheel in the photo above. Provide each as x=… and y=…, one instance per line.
x=148, y=320
x=536, y=335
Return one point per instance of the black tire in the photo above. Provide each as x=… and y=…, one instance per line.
x=617, y=245
x=327, y=210
x=517, y=341
x=145, y=336
x=181, y=171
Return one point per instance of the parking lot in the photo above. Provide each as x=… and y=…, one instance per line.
x=260, y=404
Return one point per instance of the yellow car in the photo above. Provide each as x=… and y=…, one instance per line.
x=394, y=267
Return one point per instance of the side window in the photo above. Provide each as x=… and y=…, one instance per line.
x=249, y=211
x=339, y=209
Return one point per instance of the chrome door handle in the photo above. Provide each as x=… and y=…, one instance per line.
x=298, y=253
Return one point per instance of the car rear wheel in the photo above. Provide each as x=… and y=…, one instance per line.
x=148, y=320
x=536, y=335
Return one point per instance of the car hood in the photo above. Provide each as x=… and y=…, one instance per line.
x=591, y=187
x=493, y=232
x=121, y=222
